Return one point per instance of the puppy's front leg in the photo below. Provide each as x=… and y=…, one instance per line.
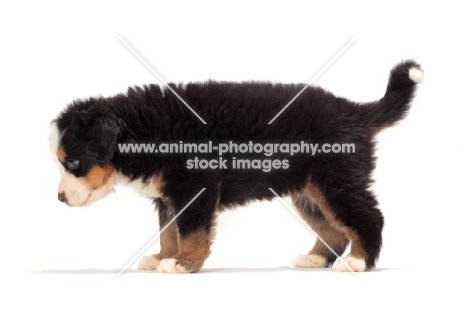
x=168, y=238
x=195, y=228
x=194, y=249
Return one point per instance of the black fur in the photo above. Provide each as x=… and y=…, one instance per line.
x=240, y=112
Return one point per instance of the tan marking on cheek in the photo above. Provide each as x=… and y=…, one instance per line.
x=61, y=154
x=99, y=176
x=158, y=182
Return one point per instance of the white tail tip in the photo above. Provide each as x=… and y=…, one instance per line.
x=416, y=75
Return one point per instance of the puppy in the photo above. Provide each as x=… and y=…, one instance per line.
x=90, y=141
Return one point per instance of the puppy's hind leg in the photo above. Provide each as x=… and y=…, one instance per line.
x=168, y=238
x=320, y=256
x=352, y=209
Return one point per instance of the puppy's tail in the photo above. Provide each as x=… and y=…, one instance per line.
x=401, y=87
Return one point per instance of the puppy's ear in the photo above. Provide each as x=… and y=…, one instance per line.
x=101, y=135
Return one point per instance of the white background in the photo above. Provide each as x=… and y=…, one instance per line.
x=52, y=53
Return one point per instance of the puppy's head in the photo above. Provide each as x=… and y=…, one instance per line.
x=83, y=142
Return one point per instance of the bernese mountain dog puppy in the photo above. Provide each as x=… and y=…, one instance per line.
x=90, y=138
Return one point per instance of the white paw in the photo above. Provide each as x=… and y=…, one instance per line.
x=416, y=75
x=356, y=264
x=169, y=266
x=309, y=261
x=148, y=263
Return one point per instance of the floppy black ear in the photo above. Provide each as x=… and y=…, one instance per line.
x=101, y=135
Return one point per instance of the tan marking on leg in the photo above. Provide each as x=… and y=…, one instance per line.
x=334, y=238
x=319, y=198
x=357, y=249
x=169, y=248
x=61, y=154
x=169, y=242
x=194, y=249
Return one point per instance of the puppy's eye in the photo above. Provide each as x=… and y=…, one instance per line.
x=72, y=164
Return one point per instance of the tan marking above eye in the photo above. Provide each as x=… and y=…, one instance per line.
x=61, y=154
x=99, y=176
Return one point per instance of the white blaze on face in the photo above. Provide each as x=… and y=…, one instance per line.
x=80, y=191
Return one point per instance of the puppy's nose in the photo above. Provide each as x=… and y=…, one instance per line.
x=61, y=197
